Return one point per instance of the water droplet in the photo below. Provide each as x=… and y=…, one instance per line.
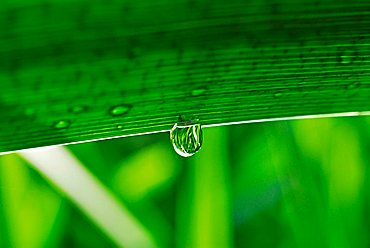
x=347, y=57
x=62, y=124
x=29, y=112
x=120, y=109
x=119, y=126
x=78, y=109
x=278, y=94
x=353, y=85
x=199, y=91
x=186, y=138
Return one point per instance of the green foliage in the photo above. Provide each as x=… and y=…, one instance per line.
x=76, y=71
x=73, y=71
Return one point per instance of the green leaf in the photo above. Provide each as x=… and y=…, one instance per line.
x=204, y=200
x=75, y=71
x=31, y=210
x=67, y=173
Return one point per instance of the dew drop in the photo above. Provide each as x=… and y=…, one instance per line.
x=278, y=94
x=29, y=112
x=353, y=85
x=186, y=138
x=120, y=109
x=199, y=91
x=62, y=124
x=78, y=109
x=347, y=57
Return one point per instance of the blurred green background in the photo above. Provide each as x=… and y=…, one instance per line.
x=301, y=183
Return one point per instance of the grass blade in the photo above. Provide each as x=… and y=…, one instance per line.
x=133, y=67
x=62, y=169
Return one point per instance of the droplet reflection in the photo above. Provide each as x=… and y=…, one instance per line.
x=186, y=138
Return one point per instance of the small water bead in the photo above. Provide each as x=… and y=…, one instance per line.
x=29, y=112
x=278, y=94
x=62, y=124
x=347, y=57
x=78, y=109
x=199, y=91
x=353, y=85
x=119, y=127
x=186, y=138
x=119, y=110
